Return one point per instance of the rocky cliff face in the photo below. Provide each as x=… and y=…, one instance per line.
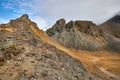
x=78, y=34
x=24, y=56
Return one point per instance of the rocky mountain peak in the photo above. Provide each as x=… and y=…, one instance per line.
x=57, y=27
x=70, y=25
x=77, y=34
x=25, y=16
x=112, y=26
x=61, y=22
x=22, y=23
x=115, y=19
x=24, y=19
x=87, y=27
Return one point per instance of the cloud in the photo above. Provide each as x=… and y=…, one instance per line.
x=41, y=23
x=50, y=10
x=19, y=7
x=3, y=21
x=95, y=10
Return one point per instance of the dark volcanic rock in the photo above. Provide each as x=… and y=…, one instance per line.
x=78, y=34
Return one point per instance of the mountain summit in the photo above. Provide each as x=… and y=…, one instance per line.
x=115, y=19
x=112, y=26
x=78, y=34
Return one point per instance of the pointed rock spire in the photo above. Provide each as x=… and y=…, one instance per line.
x=25, y=16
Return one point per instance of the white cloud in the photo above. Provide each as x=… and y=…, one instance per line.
x=41, y=23
x=3, y=21
x=18, y=6
x=50, y=10
x=95, y=10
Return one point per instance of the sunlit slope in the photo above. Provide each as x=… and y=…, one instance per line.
x=98, y=62
x=43, y=36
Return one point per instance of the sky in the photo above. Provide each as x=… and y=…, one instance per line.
x=46, y=12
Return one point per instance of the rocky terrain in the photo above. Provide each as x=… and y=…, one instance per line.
x=78, y=34
x=25, y=56
x=97, y=48
x=28, y=53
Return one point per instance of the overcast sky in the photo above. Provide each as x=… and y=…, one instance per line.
x=46, y=12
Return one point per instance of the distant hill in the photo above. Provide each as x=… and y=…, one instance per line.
x=112, y=26
x=29, y=53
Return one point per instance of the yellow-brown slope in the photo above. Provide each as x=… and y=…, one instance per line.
x=93, y=61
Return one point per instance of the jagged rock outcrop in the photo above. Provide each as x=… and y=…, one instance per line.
x=58, y=27
x=78, y=34
x=24, y=56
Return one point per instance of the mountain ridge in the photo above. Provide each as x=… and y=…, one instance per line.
x=112, y=26
x=81, y=33
x=25, y=55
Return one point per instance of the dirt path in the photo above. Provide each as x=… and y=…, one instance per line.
x=104, y=70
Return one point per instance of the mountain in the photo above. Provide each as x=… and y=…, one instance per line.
x=78, y=34
x=87, y=42
x=24, y=55
x=112, y=26
x=28, y=53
